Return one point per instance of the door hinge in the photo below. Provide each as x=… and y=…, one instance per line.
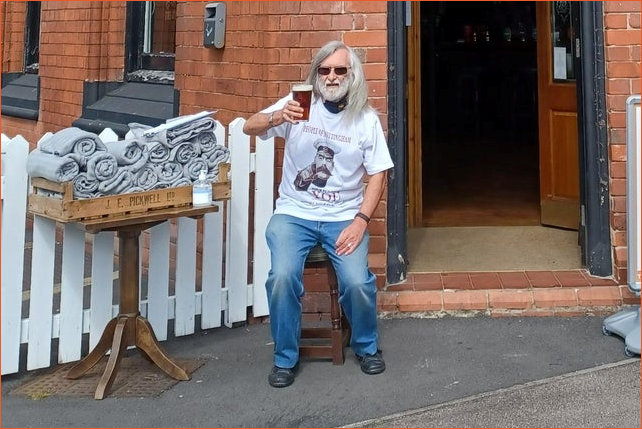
x=577, y=47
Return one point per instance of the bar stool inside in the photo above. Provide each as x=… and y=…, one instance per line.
x=326, y=342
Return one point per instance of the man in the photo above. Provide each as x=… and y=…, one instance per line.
x=326, y=204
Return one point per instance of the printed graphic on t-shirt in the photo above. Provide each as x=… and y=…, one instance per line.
x=315, y=176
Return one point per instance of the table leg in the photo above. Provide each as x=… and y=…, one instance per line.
x=118, y=347
x=129, y=328
x=89, y=361
x=148, y=345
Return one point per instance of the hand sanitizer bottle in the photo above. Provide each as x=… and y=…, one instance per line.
x=202, y=191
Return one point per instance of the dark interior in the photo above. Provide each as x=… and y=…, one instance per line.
x=479, y=113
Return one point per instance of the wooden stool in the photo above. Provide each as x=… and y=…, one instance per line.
x=326, y=342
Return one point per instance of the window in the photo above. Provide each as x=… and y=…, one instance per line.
x=151, y=30
x=21, y=91
x=562, y=31
x=32, y=37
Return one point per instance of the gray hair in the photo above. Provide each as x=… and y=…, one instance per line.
x=357, y=100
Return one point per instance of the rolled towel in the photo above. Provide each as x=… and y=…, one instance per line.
x=158, y=152
x=51, y=167
x=135, y=189
x=206, y=140
x=194, y=167
x=80, y=159
x=181, y=181
x=122, y=181
x=84, y=187
x=187, y=131
x=126, y=152
x=142, y=161
x=217, y=155
x=102, y=166
x=74, y=140
x=169, y=171
x=184, y=152
x=146, y=177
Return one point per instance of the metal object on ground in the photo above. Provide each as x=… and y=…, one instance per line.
x=136, y=377
x=626, y=323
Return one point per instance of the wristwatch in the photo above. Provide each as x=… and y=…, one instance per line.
x=271, y=119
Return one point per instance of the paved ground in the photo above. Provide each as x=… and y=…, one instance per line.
x=461, y=372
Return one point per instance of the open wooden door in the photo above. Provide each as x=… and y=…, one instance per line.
x=415, y=141
x=558, y=129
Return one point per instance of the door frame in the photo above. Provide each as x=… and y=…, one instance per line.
x=595, y=211
x=594, y=230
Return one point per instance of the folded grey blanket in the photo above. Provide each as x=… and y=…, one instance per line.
x=187, y=131
x=169, y=171
x=84, y=187
x=193, y=167
x=74, y=140
x=101, y=166
x=136, y=131
x=158, y=152
x=184, y=152
x=122, y=181
x=146, y=177
x=51, y=167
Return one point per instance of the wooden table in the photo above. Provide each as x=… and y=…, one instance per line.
x=129, y=328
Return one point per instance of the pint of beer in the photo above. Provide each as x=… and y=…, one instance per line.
x=303, y=94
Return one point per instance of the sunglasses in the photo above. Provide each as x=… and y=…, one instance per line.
x=339, y=71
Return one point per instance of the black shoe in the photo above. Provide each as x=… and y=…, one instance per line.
x=282, y=377
x=372, y=364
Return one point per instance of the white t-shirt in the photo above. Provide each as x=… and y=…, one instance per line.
x=325, y=161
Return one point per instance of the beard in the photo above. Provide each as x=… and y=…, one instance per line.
x=334, y=92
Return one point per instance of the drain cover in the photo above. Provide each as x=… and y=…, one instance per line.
x=136, y=377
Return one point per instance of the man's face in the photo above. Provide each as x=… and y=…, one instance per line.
x=334, y=87
x=323, y=164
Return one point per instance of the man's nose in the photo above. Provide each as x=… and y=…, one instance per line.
x=333, y=75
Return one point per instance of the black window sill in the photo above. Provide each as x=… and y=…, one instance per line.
x=116, y=104
x=20, y=95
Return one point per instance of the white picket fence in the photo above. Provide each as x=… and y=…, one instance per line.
x=224, y=294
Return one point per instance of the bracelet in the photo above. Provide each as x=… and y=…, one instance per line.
x=271, y=119
x=362, y=216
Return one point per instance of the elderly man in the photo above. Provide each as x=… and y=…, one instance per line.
x=325, y=203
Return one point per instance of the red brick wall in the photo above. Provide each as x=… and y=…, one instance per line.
x=622, y=50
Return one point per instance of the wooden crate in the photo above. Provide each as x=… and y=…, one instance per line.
x=55, y=200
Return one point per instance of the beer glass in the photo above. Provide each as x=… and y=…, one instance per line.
x=303, y=94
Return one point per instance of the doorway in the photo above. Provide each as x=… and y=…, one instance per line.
x=477, y=138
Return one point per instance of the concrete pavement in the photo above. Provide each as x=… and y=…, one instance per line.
x=462, y=372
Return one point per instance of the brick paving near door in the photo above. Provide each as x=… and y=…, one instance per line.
x=510, y=293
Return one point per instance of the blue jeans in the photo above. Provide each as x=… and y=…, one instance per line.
x=290, y=240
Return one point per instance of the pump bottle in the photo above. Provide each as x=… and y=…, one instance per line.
x=202, y=191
